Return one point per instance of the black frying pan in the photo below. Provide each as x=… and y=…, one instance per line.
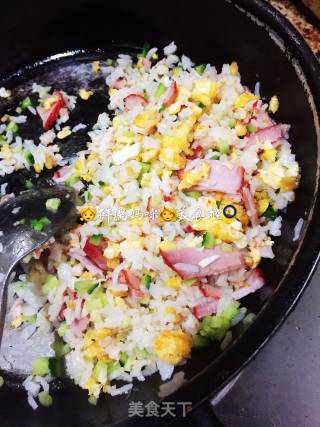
x=267, y=49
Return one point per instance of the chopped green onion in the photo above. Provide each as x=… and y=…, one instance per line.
x=145, y=49
x=50, y=283
x=160, y=90
x=223, y=147
x=29, y=158
x=13, y=128
x=85, y=286
x=201, y=105
x=28, y=184
x=215, y=156
x=45, y=399
x=270, y=213
x=100, y=372
x=101, y=183
x=251, y=128
x=60, y=348
x=39, y=224
x=41, y=366
x=95, y=239
x=199, y=341
x=189, y=282
x=93, y=400
x=200, y=69
x=72, y=179
x=30, y=319
x=53, y=204
x=26, y=103
x=208, y=240
x=146, y=280
x=193, y=194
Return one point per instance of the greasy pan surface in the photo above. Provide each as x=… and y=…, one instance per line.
x=217, y=32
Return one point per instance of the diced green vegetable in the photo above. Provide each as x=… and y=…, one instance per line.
x=93, y=400
x=161, y=109
x=145, y=300
x=113, y=366
x=141, y=353
x=19, y=110
x=101, y=183
x=85, y=286
x=251, y=128
x=223, y=147
x=208, y=240
x=100, y=372
x=270, y=213
x=2, y=139
x=123, y=358
x=193, y=194
x=72, y=179
x=1, y=381
x=200, y=69
x=109, y=61
x=60, y=348
x=28, y=184
x=30, y=319
x=19, y=285
x=39, y=224
x=13, y=128
x=145, y=94
x=41, y=366
x=199, y=341
x=146, y=280
x=29, y=158
x=62, y=329
x=45, y=399
x=145, y=49
x=53, y=204
x=98, y=299
x=215, y=327
x=95, y=239
x=249, y=319
x=189, y=282
x=50, y=283
x=26, y=103
x=201, y=105
x=56, y=366
x=232, y=124
x=145, y=168
x=160, y=90
x=215, y=155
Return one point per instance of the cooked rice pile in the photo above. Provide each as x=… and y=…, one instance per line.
x=187, y=172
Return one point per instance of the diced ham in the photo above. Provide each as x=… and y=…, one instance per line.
x=261, y=120
x=197, y=153
x=50, y=116
x=119, y=84
x=171, y=95
x=131, y=279
x=167, y=198
x=78, y=326
x=95, y=254
x=62, y=174
x=61, y=312
x=200, y=262
x=149, y=204
x=254, y=281
x=250, y=205
x=271, y=133
x=210, y=291
x=71, y=293
x=134, y=100
x=221, y=178
x=206, y=308
x=79, y=255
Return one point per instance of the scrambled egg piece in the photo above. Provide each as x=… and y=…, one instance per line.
x=272, y=175
x=147, y=120
x=244, y=98
x=91, y=348
x=234, y=68
x=174, y=282
x=269, y=155
x=221, y=230
x=193, y=177
x=288, y=183
x=65, y=131
x=274, y=104
x=172, y=146
x=204, y=91
x=85, y=94
x=167, y=246
x=93, y=387
x=172, y=346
